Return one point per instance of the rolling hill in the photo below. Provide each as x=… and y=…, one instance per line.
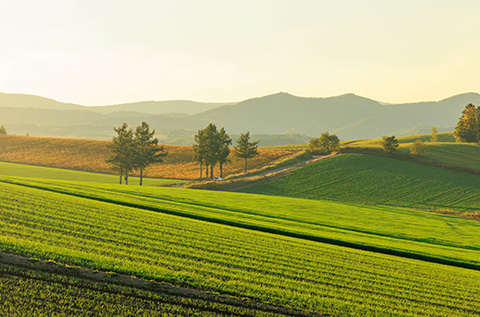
x=349, y=116
x=131, y=234
x=375, y=180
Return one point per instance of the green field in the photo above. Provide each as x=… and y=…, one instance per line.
x=298, y=274
x=367, y=179
x=21, y=170
x=445, y=239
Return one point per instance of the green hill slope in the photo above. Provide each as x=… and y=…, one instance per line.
x=416, y=234
x=304, y=275
x=379, y=180
x=21, y=170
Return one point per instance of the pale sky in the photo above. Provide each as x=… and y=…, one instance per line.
x=105, y=52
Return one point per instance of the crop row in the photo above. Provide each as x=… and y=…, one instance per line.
x=416, y=234
x=289, y=272
x=31, y=292
x=379, y=180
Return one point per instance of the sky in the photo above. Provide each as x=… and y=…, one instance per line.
x=108, y=52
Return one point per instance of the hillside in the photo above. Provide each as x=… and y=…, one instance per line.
x=214, y=268
x=90, y=155
x=349, y=116
x=377, y=180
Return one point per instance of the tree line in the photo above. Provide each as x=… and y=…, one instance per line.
x=212, y=147
x=131, y=150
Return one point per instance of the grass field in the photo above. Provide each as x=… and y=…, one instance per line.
x=21, y=170
x=90, y=155
x=303, y=275
x=445, y=239
x=379, y=180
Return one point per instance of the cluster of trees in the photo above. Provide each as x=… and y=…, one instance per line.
x=3, y=130
x=468, y=127
x=325, y=144
x=134, y=150
x=212, y=147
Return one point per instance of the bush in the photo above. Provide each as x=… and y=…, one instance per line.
x=389, y=143
x=417, y=148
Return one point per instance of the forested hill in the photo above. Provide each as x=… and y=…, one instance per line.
x=349, y=116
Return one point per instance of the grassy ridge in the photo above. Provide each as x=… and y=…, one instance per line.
x=445, y=239
x=262, y=267
x=90, y=155
x=379, y=180
x=21, y=170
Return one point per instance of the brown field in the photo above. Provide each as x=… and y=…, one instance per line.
x=90, y=155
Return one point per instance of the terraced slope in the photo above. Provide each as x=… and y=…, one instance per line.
x=416, y=234
x=378, y=180
x=294, y=273
x=21, y=170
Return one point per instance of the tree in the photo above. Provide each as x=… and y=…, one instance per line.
x=224, y=149
x=325, y=144
x=389, y=143
x=212, y=147
x=199, y=149
x=3, y=130
x=417, y=148
x=468, y=126
x=147, y=150
x=122, y=151
x=434, y=137
x=246, y=149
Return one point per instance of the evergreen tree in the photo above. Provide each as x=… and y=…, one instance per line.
x=224, y=149
x=468, y=127
x=147, y=150
x=199, y=149
x=246, y=149
x=122, y=152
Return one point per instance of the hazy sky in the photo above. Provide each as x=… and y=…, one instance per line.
x=105, y=52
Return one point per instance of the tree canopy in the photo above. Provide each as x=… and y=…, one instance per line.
x=246, y=149
x=212, y=147
x=325, y=144
x=468, y=126
x=3, y=130
x=389, y=143
x=134, y=151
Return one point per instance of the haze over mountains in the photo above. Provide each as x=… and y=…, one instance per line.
x=349, y=116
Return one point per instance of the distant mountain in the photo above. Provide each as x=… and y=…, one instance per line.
x=161, y=107
x=349, y=116
x=148, y=107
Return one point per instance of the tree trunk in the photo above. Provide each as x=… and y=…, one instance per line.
x=141, y=177
x=245, y=172
x=221, y=170
x=126, y=179
x=211, y=171
x=201, y=170
x=121, y=176
x=206, y=171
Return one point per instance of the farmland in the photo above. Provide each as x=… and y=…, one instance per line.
x=294, y=273
x=13, y=169
x=90, y=155
x=379, y=180
x=446, y=239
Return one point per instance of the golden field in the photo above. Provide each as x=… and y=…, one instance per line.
x=90, y=155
